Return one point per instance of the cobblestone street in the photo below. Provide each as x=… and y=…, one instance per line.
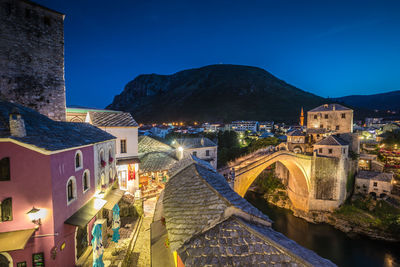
x=141, y=252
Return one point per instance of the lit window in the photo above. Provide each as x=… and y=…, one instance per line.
x=123, y=146
x=5, y=169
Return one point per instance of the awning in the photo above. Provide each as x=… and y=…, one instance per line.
x=83, y=216
x=15, y=240
x=128, y=160
x=112, y=198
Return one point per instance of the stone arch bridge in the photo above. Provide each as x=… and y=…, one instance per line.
x=315, y=183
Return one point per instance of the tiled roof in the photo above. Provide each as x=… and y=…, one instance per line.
x=193, y=142
x=316, y=130
x=47, y=134
x=329, y=107
x=379, y=176
x=235, y=242
x=156, y=161
x=295, y=133
x=147, y=144
x=332, y=140
x=112, y=119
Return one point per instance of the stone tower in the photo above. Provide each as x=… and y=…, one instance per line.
x=32, y=57
x=302, y=117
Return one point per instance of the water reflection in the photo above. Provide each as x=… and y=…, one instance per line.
x=329, y=242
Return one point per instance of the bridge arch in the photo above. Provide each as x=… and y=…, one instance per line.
x=299, y=167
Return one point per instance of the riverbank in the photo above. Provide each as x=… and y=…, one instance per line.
x=375, y=219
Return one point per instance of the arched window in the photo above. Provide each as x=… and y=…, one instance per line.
x=103, y=163
x=71, y=190
x=111, y=177
x=5, y=259
x=78, y=160
x=110, y=156
x=86, y=180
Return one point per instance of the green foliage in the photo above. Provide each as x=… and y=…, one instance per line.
x=268, y=183
x=353, y=155
x=392, y=138
x=350, y=182
x=261, y=143
x=377, y=214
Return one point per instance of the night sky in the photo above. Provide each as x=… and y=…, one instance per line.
x=330, y=48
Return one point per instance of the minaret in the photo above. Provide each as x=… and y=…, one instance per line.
x=301, y=117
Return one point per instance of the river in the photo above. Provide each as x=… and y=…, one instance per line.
x=327, y=241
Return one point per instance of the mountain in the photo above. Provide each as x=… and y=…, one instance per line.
x=214, y=93
x=384, y=101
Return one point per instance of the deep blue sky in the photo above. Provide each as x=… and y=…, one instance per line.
x=330, y=48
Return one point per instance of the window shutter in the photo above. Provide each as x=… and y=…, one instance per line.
x=6, y=209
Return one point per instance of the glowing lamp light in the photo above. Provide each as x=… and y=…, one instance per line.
x=36, y=215
x=180, y=149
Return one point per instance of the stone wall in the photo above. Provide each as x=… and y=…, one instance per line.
x=332, y=120
x=32, y=57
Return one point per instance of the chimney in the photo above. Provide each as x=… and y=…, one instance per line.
x=17, y=124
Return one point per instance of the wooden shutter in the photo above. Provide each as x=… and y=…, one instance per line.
x=6, y=210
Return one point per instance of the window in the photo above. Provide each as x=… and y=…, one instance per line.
x=47, y=21
x=207, y=153
x=337, y=127
x=195, y=153
x=21, y=264
x=375, y=184
x=123, y=146
x=326, y=116
x=343, y=115
x=5, y=169
x=315, y=117
x=103, y=163
x=71, y=190
x=330, y=150
x=320, y=150
x=110, y=156
x=321, y=126
x=86, y=180
x=6, y=210
x=344, y=150
x=78, y=160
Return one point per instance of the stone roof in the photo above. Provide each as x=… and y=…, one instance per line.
x=47, y=134
x=235, y=242
x=196, y=198
x=332, y=140
x=296, y=133
x=157, y=161
x=209, y=224
x=147, y=144
x=329, y=107
x=193, y=142
x=112, y=119
x=378, y=176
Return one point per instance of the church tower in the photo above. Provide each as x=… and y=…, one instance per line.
x=301, y=117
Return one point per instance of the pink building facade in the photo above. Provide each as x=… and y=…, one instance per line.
x=58, y=180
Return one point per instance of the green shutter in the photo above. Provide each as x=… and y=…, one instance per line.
x=6, y=209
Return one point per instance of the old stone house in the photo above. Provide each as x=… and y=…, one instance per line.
x=333, y=118
x=377, y=184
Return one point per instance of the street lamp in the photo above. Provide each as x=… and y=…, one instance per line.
x=36, y=215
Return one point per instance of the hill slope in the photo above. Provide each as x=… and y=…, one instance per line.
x=384, y=101
x=213, y=93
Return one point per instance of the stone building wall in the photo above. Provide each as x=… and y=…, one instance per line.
x=32, y=57
x=329, y=120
